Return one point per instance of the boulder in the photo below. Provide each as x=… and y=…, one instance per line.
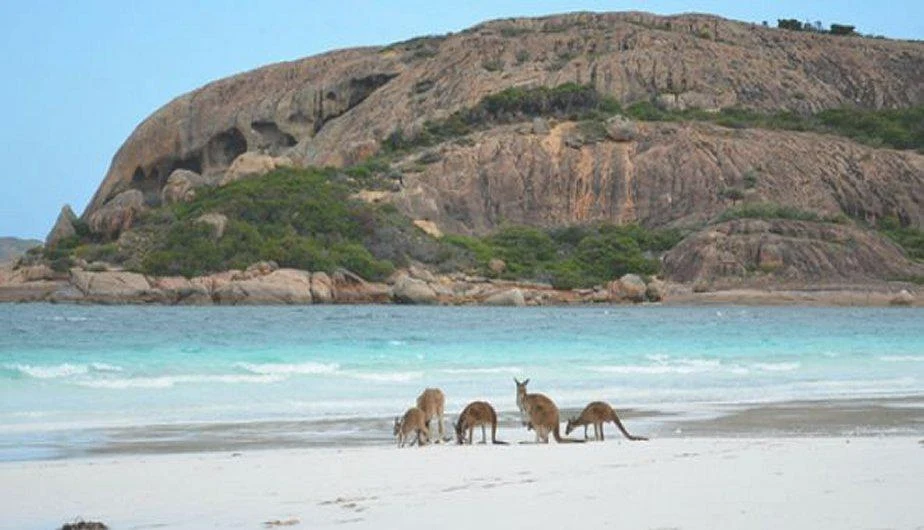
x=903, y=298
x=63, y=228
x=656, y=290
x=322, y=288
x=248, y=165
x=510, y=297
x=118, y=214
x=409, y=290
x=283, y=286
x=180, y=187
x=114, y=287
x=630, y=287
x=260, y=268
x=497, y=266
x=620, y=129
x=217, y=221
x=429, y=227
x=540, y=126
x=349, y=288
x=180, y=290
x=420, y=273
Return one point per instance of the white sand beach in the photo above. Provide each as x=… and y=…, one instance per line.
x=689, y=483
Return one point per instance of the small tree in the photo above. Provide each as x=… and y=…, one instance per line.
x=733, y=194
x=789, y=23
x=842, y=29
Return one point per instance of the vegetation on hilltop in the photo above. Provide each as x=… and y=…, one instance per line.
x=894, y=128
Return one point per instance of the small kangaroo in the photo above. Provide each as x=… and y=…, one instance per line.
x=431, y=401
x=540, y=413
x=474, y=414
x=598, y=413
x=412, y=422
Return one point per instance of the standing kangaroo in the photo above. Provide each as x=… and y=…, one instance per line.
x=598, y=413
x=431, y=401
x=540, y=413
x=413, y=421
x=474, y=414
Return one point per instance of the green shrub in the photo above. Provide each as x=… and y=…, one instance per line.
x=909, y=238
x=772, y=210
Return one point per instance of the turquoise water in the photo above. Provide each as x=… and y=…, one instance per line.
x=66, y=370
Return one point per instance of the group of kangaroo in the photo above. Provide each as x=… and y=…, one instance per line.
x=538, y=411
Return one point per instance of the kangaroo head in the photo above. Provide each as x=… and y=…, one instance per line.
x=397, y=425
x=521, y=386
x=458, y=427
x=570, y=427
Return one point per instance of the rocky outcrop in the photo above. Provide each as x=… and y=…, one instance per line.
x=181, y=186
x=283, y=286
x=63, y=228
x=336, y=109
x=249, y=165
x=630, y=287
x=407, y=290
x=771, y=251
x=511, y=297
x=118, y=214
x=670, y=175
x=322, y=288
x=113, y=287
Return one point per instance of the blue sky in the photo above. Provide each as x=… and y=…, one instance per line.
x=79, y=76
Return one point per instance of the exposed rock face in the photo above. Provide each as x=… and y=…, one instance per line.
x=108, y=287
x=670, y=175
x=336, y=108
x=796, y=251
x=283, y=286
x=511, y=297
x=249, y=165
x=63, y=228
x=413, y=291
x=181, y=186
x=630, y=287
x=118, y=214
x=322, y=288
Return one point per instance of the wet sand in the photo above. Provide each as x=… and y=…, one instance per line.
x=859, y=417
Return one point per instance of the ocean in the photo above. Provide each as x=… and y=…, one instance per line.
x=85, y=380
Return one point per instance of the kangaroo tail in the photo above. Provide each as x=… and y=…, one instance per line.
x=558, y=438
x=624, y=431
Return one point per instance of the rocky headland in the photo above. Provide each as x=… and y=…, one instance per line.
x=760, y=147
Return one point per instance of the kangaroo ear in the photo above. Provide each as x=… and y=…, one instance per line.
x=515, y=381
x=526, y=382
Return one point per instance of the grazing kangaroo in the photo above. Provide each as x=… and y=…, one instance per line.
x=431, y=401
x=540, y=413
x=474, y=414
x=598, y=413
x=412, y=422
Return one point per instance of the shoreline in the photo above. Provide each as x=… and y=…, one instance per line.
x=691, y=483
x=265, y=284
x=852, y=417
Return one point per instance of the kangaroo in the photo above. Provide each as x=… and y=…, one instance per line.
x=431, y=401
x=598, y=413
x=474, y=414
x=540, y=413
x=412, y=422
